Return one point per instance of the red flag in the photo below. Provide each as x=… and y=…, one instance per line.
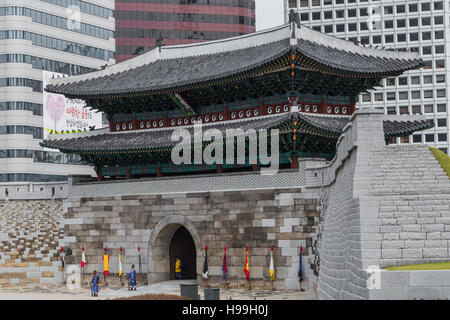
x=83, y=257
x=247, y=268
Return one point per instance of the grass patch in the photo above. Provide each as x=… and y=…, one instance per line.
x=426, y=266
x=443, y=159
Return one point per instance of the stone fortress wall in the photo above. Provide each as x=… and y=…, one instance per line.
x=30, y=242
x=259, y=219
x=381, y=206
x=373, y=205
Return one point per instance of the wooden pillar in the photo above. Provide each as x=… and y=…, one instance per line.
x=135, y=123
x=324, y=106
x=99, y=174
x=159, y=172
x=255, y=167
x=219, y=168
x=226, y=114
x=294, y=162
x=166, y=120
x=111, y=126
x=129, y=176
x=262, y=110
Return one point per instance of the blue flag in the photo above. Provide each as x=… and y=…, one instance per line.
x=300, y=265
x=224, y=264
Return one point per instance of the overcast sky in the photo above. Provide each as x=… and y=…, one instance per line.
x=269, y=13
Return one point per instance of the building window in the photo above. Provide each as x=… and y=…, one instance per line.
x=390, y=96
x=328, y=15
x=426, y=50
x=403, y=110
x=442, y=122
x=352, y=27
x=365, y=97
x=438, y=5
x=401, y=23
x=427, y=94
x=415, y=94
x=442, y=107
x=439, y=49
x=389, y=38
x=429, y=137
x=440, y=64
x=442, y=137
x=416, y=109
x=440, y=93
x=438, y=20
x=439, y=35
x=378, y=96
x=428, y=108
x=404, y=139
x=425, y=6
x=340, y=27
x=292, y=3
x=376, y=39
x=412, y=7
x=401, y=9
x=426, y=36
x=417, y=138
x=403, y=95
x=426, y=21
x=413, y=22
x=415, y=80
x=391, y=110
x=389, y=24
x=316, y=15
x=427, y=79
x=388, y=10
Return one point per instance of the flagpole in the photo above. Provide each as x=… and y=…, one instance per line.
x=300, y=268
x=205, y=269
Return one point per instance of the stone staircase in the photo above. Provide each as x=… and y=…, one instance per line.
x=409, y=169
x=30, y=235
x=413, y=192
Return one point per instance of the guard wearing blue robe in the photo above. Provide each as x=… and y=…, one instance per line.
x=132, y=278
x=94, y=284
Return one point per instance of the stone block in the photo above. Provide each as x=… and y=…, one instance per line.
x=430, y=278
x=423, y=293
x=392, y=293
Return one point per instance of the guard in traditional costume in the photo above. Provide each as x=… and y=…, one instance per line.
x=132, y=279
x=178, y=268
x=94, y=284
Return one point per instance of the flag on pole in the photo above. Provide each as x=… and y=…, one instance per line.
x=140, y=261
x=120, y=262
x=247, y=268
x=83, y=257
x=271, y=268
x=205, y=264
x=106, y=262
x=300, y=266
x=224, y=263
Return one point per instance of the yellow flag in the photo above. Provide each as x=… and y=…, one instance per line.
x=120, y=265
x=271, y=268
x=106, y=264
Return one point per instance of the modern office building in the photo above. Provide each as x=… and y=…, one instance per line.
x=420, y=26
x=139, y=23
x=63, y=36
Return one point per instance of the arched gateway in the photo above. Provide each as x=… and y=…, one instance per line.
x=173, y=236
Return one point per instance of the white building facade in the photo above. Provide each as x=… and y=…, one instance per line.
x=404, y=25
x=63, y=36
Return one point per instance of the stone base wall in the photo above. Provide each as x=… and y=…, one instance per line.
x=259, y=219
x=30, y=235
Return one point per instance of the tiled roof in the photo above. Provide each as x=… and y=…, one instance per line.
x=178, y=66
x=112, y=142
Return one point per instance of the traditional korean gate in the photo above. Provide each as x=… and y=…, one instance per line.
x=183, y=246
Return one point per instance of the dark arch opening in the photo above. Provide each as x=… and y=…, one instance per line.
x=182, y=245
